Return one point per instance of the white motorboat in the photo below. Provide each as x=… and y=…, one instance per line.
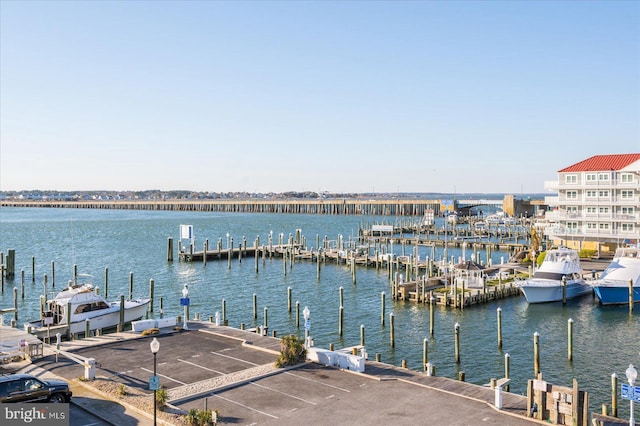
x=558, y=278
x=86, y=304
x=612, y=287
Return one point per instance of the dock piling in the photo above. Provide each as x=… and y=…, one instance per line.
x=425, y=357
x=499, y=313
x=151, y=288
x=536, y=354
x=457, y=341
x=392, y=336
x=570, y=339
x=130, y=285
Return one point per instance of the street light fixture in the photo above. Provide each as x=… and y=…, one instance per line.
x=155, y=347
x=632, y=375
x=307, y=326
x=185, y=297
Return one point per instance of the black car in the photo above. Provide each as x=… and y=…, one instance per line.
x=28, y=388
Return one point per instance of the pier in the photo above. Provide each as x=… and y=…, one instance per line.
x=424, y=281
x=356, y=205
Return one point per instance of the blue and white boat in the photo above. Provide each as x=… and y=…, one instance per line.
x=559, y=273
x=612, y=287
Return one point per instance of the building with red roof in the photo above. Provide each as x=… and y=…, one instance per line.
x=597, y=204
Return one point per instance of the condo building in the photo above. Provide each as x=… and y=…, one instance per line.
x=597, y=205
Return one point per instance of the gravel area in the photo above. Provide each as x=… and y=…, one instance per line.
x=137, y=399
x=204, y=386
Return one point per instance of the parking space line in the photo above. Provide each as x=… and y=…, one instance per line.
x=201, y=366
x=162, y=375
x=245, y=406
x=232, y=357
x=282, y=393
x=319, y=382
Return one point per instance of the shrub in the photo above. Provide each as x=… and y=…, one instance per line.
x=292, y=351
x=587, y=254
x=161, y=397
x=197, y=417
x=122, y=390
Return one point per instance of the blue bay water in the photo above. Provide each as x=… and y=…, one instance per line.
x=606, y=339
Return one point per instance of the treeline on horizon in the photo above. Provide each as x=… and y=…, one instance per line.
x=203, y=195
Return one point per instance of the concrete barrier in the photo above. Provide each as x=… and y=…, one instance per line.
x=142, y=325
x=166, y=322
x=345, y=361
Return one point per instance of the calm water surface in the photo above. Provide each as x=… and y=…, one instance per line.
x=606, y=340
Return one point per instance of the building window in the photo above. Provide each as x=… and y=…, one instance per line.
x=592, y=225
x=604, y=226
x=627, y=227
x=603, y=210
x=572, y=225
x=572, y=195
x=591, y=210
x=592, y=194
x=626, y=178
x=571, y=179
x=627, y=210
x=603, y=194
x=626, y=195
x=591, y=177
x=603, y=177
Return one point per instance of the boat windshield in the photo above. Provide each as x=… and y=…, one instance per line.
x=88, y=307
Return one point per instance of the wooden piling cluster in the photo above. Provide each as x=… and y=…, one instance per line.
x=456, y=299
x=425, y=277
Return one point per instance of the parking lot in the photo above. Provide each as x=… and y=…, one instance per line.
x=183, y=358
x=309, y=393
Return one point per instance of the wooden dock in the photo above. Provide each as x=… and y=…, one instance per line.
x=427, y=279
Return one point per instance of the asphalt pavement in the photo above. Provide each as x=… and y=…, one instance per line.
x=232, y=371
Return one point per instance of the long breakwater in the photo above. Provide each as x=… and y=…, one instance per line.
x=342, y=206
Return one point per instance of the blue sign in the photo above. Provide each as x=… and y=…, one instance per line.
x=629, y=392
x=154, y=383
x=307, y=325
x=184, y=301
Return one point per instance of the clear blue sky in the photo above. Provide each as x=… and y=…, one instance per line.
x=334, y=96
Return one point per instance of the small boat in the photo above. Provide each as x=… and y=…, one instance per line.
x=452, y=218
x=612, y=287
x=87, y=304
x=559, y=273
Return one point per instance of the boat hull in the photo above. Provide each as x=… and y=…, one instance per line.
x=132, y=312
x=552, y=292
x=105, y=319
x=616, y=295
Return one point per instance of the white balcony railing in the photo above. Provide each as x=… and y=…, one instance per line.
x=552, y=200
x=551, y=185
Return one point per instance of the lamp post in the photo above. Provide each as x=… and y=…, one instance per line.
x=632, y=375
x=155, y=347
x=307, y=325
x=185, y=302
